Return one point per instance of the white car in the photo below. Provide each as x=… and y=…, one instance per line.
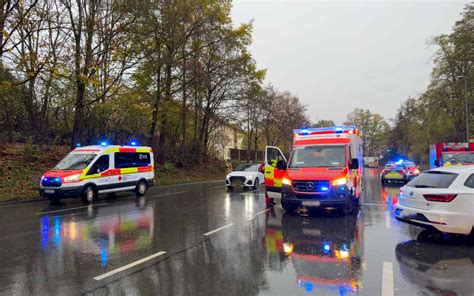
x=442, y=198
x=247, y=175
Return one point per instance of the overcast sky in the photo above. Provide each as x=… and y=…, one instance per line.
x=337, y=56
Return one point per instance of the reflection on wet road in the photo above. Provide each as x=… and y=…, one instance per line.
x=202, y=240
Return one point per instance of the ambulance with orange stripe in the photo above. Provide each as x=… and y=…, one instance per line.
x=89, y=171
x=324, y=170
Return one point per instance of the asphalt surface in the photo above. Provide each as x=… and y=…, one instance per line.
x=202, y=240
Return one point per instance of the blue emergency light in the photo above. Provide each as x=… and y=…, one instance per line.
x=134, y=143
x=78, y=144
x=335, y=129
x=103, y=143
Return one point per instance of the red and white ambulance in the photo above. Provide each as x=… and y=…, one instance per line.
x=89, y=171
x=448, y=154
x=324, y=170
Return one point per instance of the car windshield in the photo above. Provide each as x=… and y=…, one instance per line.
x=248, y=167
x=458, y=157
x=75, y=161
x=433, y=179
x=319, y=156
x=389, y=167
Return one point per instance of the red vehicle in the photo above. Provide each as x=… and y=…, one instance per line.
x=447, y=154
x=324, y=170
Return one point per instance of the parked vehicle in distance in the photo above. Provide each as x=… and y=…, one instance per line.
x=246, y=175
x=89, y=171
x=371, y=162
x=394, y=172
x=442, y=198
x=412, y=169
x=324, y=170
x=448, y=154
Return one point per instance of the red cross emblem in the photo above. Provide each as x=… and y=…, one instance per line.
x=120, y=178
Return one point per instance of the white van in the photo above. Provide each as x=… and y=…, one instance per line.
x=89, y=171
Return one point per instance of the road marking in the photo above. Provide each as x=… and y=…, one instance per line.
x=120, y=269
x=261, y=212
x=218, y=229
x=387, y=279
x=387, y=220
x=371, y=204
x=70, y=209
x=169, y=193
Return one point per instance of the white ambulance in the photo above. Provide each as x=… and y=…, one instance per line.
x=89, y=171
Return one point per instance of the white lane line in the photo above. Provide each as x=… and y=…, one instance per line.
x=261, y=212
x=71, y=209
x=387, y=279
x=218, y=229
x=120, y=269
x=169, y=193
x=387, y=220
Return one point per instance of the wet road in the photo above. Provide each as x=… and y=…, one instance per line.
x=202, y=240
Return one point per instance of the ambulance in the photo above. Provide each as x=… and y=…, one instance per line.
x=324, y=170
x=89, y=171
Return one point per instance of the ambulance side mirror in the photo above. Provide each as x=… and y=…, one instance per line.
x=281, y=165
x=354, y=164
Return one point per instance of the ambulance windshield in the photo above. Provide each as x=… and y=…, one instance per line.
x=75, y=161
x=319, y=156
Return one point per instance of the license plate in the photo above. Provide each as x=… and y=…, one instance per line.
x=49, y=191
x=312, y=232
x=394, y=176
x=311, y=203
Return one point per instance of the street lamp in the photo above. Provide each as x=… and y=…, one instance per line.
x=466, y=106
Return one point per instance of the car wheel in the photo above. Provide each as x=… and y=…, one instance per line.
x=89, y=194
x=141, y=188
x=256, y=183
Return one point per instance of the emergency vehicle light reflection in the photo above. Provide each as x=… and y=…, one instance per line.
x=113, y=233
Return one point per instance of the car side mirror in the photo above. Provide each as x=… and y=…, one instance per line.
x=281, y=165
x=354, y=164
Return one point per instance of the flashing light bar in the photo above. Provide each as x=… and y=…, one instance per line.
x=326, y=130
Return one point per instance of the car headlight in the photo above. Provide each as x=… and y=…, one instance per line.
x=249, y=176
x=339, y=182
x=288, y=248
x=73, y=178
x=286, y=181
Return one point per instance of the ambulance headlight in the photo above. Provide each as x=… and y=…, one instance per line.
x=339, y=182
x=286, y=181
x=73, y=178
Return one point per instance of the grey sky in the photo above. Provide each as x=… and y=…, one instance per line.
x=337, y=56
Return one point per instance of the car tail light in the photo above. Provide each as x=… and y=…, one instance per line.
x=384, y=172
x=403, y=172
x=440, y=197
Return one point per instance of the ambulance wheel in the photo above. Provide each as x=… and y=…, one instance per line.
x=141, y=188
x=349, y=207
x=54, y=200
x=89, y=194
x=288, y=208
x=256, y=183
